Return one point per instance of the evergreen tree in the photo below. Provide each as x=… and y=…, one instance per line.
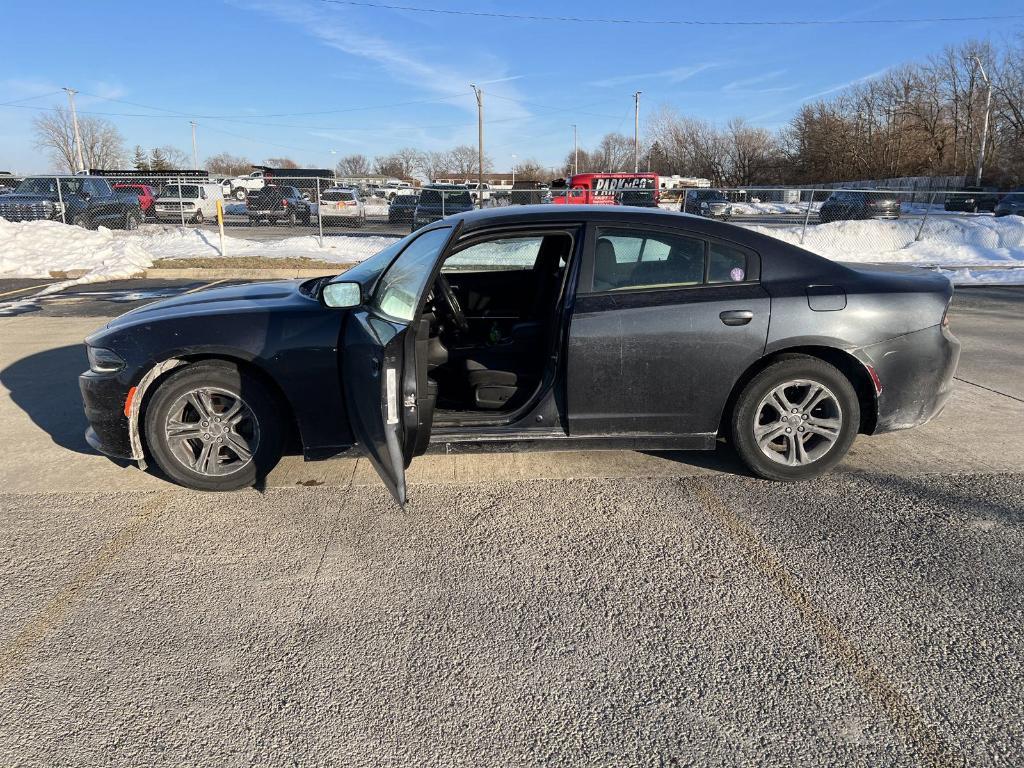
x=158, y=161
x=141, y=162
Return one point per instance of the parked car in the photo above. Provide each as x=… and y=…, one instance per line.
x=439, y=200
x=711, y=203
x=1011, y=205
x=529, y=193
x=973, y=200
x=638, y=198
x=195, y=202
x=393, y=188
x=274, y=203
x=87, y=201
x=402, y=208
x=528, y=328
x=341, y=205
x=242, y=186
x=479, y=192
x=859, y=204
x=144, y=193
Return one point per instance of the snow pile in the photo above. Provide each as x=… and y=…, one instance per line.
x=165, y=241
x=37, y=248
x=945, y=242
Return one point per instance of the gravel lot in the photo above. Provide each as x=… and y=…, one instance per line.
x=591, y=609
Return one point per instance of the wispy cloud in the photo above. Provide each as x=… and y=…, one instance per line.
x=746, y=84
x=818, y=94
x=674, y=75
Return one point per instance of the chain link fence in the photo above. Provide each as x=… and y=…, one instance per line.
x=306, y=213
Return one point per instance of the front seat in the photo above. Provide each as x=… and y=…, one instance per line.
x=490, y=387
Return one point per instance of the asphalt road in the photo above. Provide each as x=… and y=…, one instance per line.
x=581, y=608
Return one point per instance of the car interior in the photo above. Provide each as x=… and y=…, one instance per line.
x=489, y=325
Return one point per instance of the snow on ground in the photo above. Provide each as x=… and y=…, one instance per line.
x=170, y=242
x=945, y=241
x=37, y=248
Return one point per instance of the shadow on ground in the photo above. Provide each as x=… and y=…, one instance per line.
x=45, y=386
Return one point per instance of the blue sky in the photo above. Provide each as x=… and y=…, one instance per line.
x=315, y=80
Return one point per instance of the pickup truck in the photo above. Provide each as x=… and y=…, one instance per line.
x=273, y=203
x=242, y=186
x=86, y=201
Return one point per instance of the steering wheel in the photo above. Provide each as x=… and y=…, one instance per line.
x=455, y=313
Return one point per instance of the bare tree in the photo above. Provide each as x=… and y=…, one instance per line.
x=281, y=162
x=353, y=165
x=531, y=170
x=433, y=164
x=174, y=157
x=464, y=160
x=102, y=145
x=225, y=164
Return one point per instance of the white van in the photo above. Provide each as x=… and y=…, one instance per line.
x=197, y=202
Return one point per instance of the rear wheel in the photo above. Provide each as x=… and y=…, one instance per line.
x=239, y=194
x=213, y=428
x=199, y=218
x=80, y=221
x=292, y=219
x=795, y=420
x=132, y=220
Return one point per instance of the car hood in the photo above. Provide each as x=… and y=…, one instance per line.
x=280, y=295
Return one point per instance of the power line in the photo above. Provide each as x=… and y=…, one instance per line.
x=684, y=22
x=16, y=102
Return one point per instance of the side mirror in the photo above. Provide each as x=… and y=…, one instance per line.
x=341, y=295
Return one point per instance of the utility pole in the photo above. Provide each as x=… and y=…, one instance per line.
x=984, y=124
x=636, y=132
x=480, y=143
x=575, y=150
x=513, y=170
x=195, y=152
x=74, y=122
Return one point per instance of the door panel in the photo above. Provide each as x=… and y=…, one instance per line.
x=660, y=362
x=373, y=373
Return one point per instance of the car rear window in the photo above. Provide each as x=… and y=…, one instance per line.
x=450, y=197
x=331, y=196
x=635, y=259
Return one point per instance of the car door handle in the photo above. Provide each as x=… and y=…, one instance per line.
x=736, y=316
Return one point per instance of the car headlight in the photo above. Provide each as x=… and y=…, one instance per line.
x=104, y=360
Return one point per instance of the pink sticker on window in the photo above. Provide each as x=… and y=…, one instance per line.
x=737, y=275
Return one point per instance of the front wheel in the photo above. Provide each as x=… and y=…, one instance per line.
x=132, y=221
x=795, y=420
x=212, y=427
x=199, y=218
x=239, y=194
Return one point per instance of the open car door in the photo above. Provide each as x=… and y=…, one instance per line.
x=386, y=391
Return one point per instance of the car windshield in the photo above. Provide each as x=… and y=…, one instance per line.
x=405, y=200
x=1017, y=197
x=402, y=286
x=180, y=190
x=48, y=186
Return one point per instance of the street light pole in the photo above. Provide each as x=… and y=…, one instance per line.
x=74, y=122
x=575, y=152
x=984, y=124
x=636, y=132
x=195, y=151
x=480, y=144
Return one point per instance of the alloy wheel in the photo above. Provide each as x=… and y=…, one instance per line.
x=212, y=431
x=798, y=422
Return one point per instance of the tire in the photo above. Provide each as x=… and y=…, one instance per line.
x=132, y=221
x=80, y=221
x=259, y=431
x=292, y=219
x=788, y=456
x=253, y=221
x=239, y=194
x=199, y=218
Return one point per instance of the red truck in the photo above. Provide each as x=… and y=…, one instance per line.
x=607, y=189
